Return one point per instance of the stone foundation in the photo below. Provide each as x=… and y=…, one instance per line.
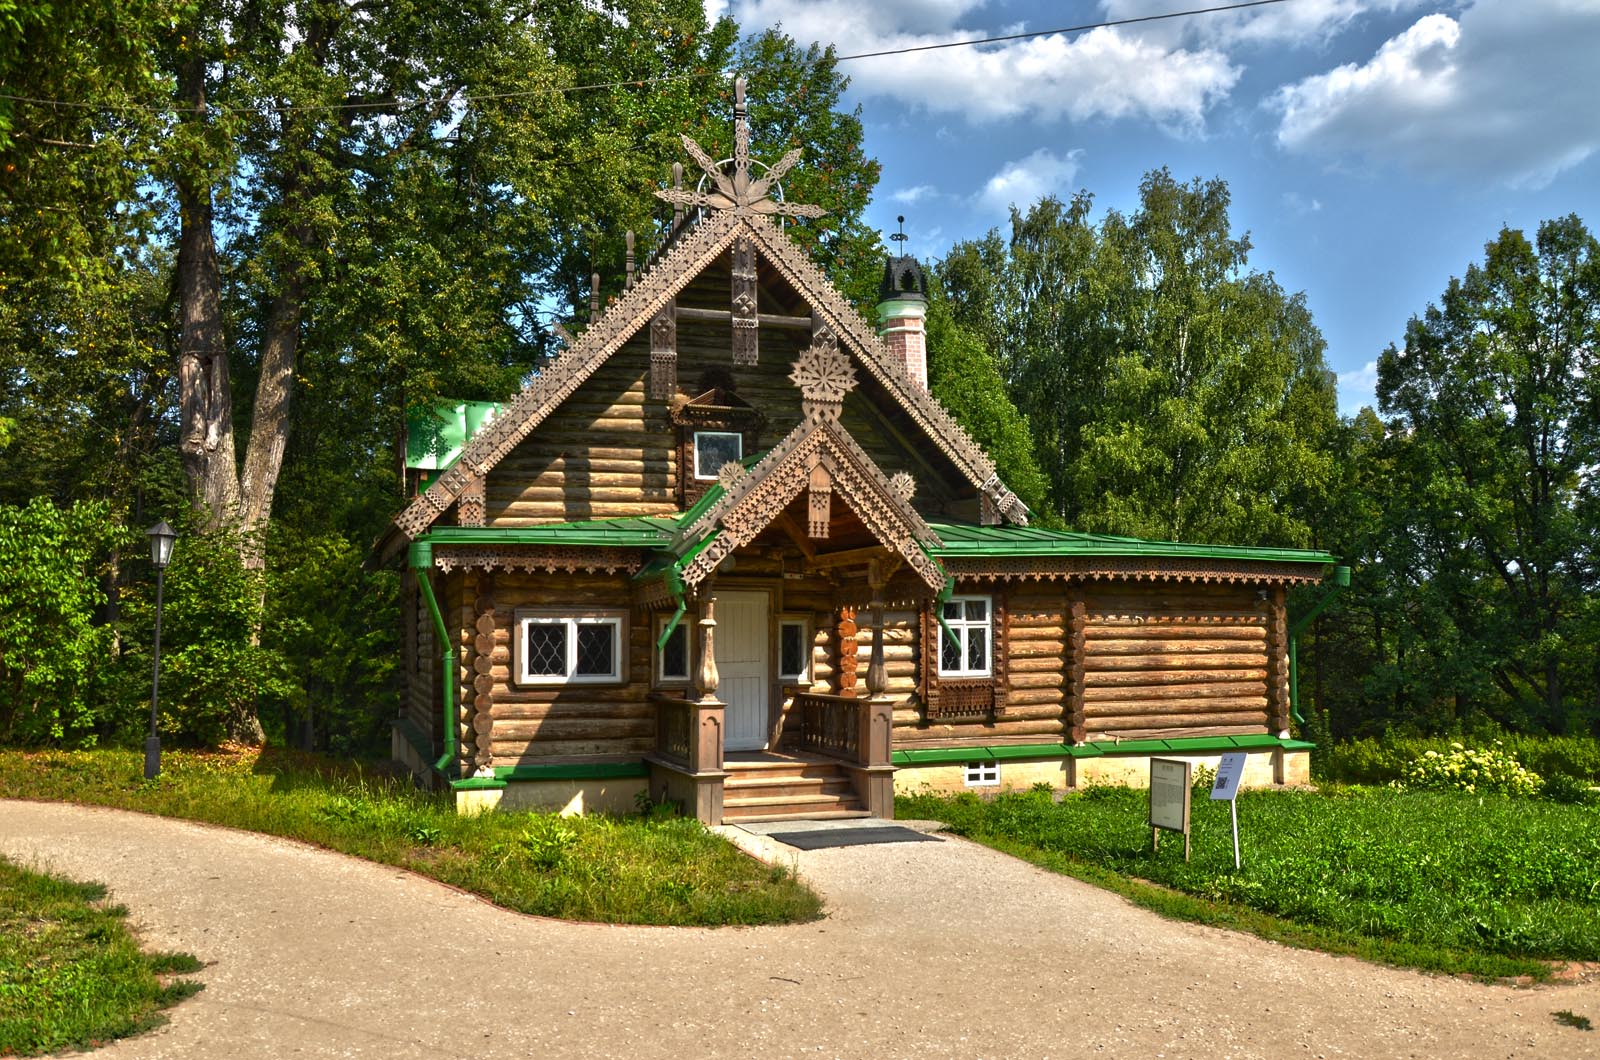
x=1266, y=768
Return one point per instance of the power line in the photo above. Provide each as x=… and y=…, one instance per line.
x=420, y=101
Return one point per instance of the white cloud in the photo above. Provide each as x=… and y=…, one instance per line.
x=1100, y=74
x=1507, y=91
x=1302, y=23
x=1027, y=180
x=1358, y=387
x=1300, y=203
x=914, y=195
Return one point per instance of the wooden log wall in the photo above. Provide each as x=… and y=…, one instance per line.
x=1174, y=661
x=610, y=451
x=537, y=724
x=422, y=687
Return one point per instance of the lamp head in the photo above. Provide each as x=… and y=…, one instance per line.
x=161, y=538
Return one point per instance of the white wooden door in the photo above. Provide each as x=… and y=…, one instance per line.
x=742, y=668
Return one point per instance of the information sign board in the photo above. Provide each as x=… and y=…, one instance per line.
x=1229, y=772
x=1169, y=800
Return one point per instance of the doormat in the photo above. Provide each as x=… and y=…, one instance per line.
x=823, y=838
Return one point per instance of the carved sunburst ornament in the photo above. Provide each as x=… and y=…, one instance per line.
x=904, y=486
x=739, y=192
x=730, y=473
x=823, y=374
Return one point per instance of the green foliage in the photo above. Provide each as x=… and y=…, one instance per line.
x=53, y=651
x=212, y=667
x=1382, y=760
x=71, y=973
x=635, y=870
x=1449, y=881
x=1559, y=787
x=1170, y=393
x=963, y=375
x=1489, y=770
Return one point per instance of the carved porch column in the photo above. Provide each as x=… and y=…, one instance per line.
x=706, y=738
x=875, y=783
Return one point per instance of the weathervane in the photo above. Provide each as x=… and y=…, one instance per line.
x=739, y=192
x=900, y=236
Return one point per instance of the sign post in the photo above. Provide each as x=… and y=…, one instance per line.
x=1229, y=772
x=1169, y=800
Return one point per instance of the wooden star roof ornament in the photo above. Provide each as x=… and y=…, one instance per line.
x=738, y=192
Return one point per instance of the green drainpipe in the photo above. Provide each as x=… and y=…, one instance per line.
x=674, y=580
x=1341, y=579
x=943, y=598
x=421, y=560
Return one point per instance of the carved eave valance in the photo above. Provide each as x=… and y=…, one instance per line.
x=543, y=558
x=1133, y=568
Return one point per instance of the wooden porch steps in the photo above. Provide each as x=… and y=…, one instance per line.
x=777, y=788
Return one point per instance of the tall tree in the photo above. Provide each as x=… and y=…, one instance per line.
x=1171, y=392
x=1496, y=392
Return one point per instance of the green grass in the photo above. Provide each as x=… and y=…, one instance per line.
x=629, y=870
x=1488, y=886
x=71, y=975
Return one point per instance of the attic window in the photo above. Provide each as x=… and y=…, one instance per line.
x=712, y=449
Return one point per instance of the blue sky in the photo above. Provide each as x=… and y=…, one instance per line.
x=1372, y=147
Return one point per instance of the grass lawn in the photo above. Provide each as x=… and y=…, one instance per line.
x=632, y=870
x=71, y=976
x=1485, y=885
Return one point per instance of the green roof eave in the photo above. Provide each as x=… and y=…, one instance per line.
x=963, y=540
x=603, y=533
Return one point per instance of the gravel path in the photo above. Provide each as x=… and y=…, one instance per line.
x=930, y=950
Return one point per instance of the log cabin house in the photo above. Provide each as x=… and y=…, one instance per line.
x=727, y=550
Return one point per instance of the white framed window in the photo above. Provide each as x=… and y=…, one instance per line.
x=712, y=449
x=794, y=651
x=966, y=637
x=982, y=774
x=673, y=657
x=554, y=648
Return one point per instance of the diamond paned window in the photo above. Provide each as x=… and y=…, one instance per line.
x=562, y=649
x=547, y=650
x=964, y=638
x=675, y=655
x=596, y=651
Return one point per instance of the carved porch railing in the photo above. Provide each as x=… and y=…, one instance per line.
x=674, y=727
x=828, y=725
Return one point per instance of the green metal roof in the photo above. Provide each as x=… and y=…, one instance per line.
x=641, y=532
x=964, y=539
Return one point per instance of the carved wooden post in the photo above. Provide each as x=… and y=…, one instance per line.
x=706, y=741
x=627, y=276
x=877, y=673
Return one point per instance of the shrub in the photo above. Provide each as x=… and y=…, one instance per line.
x=52, y=651
x=1488, y=770
x=1559, y=787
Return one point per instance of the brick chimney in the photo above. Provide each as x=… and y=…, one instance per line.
x=902, y=313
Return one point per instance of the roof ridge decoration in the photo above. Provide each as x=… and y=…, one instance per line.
x=847, y=323
x=741, y=208
x=737, y=193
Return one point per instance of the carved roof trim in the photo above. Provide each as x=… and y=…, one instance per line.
x=675, y=269
x=1133, y=569
x=853, y=329
x=757, y=497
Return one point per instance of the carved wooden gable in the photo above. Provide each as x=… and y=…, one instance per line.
x=735, y=231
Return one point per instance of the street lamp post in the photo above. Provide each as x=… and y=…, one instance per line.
x=161, y=538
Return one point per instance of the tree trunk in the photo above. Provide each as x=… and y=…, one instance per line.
x=269, y=427
x=205, y=390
